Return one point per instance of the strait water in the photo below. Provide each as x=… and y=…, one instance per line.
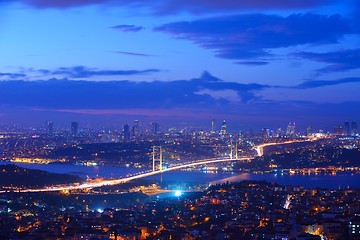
x=309, y=181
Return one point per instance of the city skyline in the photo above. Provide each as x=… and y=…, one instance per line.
x=136, y=129
x=256, y=64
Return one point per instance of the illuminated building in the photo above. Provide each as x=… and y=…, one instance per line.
x=49, y=128
x=354, y=129
x=266, y=133
x=309, y=130
x=155, y=127
x=347, y=128
x=136, y=131
x=213, y=126
x=354, y=228
x=279, y=132
x=110, y=136
x=339, y=130
x=350, y=128
x=223, y=128
x=290, y=131
x=74, y=128
x=126, y=132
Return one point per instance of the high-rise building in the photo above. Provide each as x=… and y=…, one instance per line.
x=213, y=126
x=223, y=128
x=74, y=128
x=126, y=132
x=347, y=130
x=309, y=130
x=290, y=131
x=136, y=130
x=339, y=130
x=279, y=132
x=155, y=127
x=49, y=128
x=354, y=129
x=350, y=128
x=266, y=133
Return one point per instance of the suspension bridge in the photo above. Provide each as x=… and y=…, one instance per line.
x=156, y=158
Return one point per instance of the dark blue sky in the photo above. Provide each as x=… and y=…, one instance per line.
x=254, y=63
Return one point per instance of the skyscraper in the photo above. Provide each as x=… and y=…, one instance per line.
x=74, y=128
x=136, y=130
x=126, y=132
x=223, y=128
x=351, y=128
x=309, y=130
x=354, y=129
x=155, y=127
x=290, y=131
x=347, y=130
x=49, y=128
x=213, y=126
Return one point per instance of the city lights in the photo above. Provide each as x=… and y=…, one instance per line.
x=178, y=193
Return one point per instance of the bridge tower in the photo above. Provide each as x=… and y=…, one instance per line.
x=236, y=150
x=259, y=150
x=157, y=157
x=232, y=149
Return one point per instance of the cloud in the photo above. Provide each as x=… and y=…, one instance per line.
x=70, y=94
x=198, y=99
x=128, y=28
x=322, y=83
x=174, y=112
x=253, y=63
x=84, y=72
x=166, y=7
x=251, y=36
x=339, y=61
x=227, y=94
x=135, y=54
x=201, y=6
x=12, y=75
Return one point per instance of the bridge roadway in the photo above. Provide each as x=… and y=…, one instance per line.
x=260, y=148
x=110, y=182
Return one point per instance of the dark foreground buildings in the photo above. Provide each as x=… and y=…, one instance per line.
x=245, y=210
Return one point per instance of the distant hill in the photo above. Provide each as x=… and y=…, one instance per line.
x=12, y=175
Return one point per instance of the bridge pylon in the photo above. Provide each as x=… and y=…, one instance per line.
x=232, y=149
x=236, y=150
x=157, y=157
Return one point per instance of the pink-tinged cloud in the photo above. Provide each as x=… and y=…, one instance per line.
x=164, y=114
x=160, y=113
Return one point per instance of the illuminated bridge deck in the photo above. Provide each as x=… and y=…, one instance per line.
x=111, y=182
